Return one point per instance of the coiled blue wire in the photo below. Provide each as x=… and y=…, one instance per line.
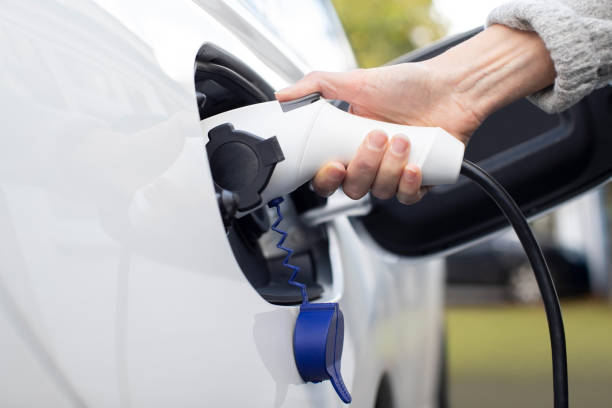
x=276, y=203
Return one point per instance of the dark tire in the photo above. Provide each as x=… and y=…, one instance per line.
x=442, y=388
x=384, y=395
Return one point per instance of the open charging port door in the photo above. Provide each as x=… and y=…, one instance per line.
x=222, y=83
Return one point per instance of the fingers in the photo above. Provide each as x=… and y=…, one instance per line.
x=329, y=178
x=362, y=170
x=331, y=85
x=379, y=166
x=393, y=162
x=409, y=190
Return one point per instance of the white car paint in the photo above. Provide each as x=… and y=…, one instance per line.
x=117, y=285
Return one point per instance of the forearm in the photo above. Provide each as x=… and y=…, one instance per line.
x=494, y=68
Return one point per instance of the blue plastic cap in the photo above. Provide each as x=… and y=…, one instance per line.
x=318, y=339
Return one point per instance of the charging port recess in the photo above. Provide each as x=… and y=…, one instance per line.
x=222, y=83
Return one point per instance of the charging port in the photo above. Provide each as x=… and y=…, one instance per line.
x=222, y=83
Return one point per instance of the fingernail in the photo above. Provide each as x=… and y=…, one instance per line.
x=410, y=174
x=399, y=146
x=377, y=140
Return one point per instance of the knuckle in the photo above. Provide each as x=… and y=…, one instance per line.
x=408, y=190
x=325, y=185
x=353, y=193
x=366, y=167
x=406, y=199
x=318, y=187
x=382, y=193
x=321, y=190
x=313, y=76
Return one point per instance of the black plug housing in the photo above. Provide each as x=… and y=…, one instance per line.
x=242, y=163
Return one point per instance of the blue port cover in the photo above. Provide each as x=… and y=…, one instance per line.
x=317, y=345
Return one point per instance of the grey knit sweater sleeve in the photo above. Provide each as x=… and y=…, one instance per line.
x=578, y=35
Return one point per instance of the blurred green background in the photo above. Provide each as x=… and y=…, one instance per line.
x=380, y=31
x=499, y=354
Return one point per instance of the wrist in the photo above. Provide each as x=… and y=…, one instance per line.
x=461, y=111
x=493, y=69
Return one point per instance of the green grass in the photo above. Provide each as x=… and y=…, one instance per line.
x=500, y=355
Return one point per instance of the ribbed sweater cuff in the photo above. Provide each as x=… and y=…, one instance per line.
x=580, y=49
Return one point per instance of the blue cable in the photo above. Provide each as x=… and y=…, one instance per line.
x=296, y=269
x=318, y=335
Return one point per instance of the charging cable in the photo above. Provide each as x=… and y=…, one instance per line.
x=547, y=289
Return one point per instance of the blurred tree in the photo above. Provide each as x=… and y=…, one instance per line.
x=385, y=29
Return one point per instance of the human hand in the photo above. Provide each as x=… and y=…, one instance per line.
x=455, y=90
x=411, y=94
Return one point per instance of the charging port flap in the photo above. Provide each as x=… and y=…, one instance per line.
x=223, y=82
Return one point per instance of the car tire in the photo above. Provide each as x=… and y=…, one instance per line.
x=384, y=395
x=442, y=386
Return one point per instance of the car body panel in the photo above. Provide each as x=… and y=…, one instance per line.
x=118, y=285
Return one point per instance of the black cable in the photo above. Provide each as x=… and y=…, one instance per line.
x=547, y=289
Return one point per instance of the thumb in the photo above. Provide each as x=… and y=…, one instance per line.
x=331, y=85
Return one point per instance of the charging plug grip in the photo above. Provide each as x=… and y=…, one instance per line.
x=311, y=132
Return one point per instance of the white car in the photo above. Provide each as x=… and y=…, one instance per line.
x=121, y=285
